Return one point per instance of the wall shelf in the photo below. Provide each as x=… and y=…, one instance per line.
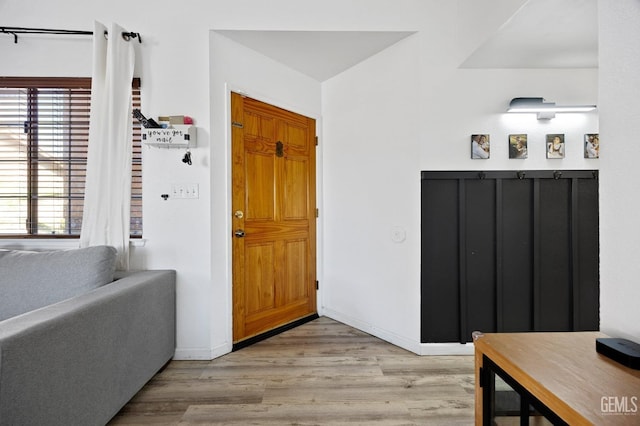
x=178, y=136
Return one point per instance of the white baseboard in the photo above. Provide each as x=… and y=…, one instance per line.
x=201, y=354
x=442, y=349
x=446, y=349
x=402, y=341
x=386, y=335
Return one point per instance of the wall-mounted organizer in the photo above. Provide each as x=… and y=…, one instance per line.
x=177, y=136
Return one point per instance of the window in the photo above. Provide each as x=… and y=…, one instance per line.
x=44, y=130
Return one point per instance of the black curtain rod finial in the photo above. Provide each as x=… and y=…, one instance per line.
x=128, y=36
x=7, y=31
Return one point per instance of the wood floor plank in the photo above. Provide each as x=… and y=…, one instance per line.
x=296, y=366
x=365, y=389
x=344, y=413
x=321, y=373
x=426, y=365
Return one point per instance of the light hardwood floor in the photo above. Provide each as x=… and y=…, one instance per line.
x=321, y=373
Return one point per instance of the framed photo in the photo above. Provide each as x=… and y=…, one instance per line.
x=518, y=146
x=555, y=146
x=592, y=145
x=480, y=147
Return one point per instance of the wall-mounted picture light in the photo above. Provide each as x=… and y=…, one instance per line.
x=545, y=110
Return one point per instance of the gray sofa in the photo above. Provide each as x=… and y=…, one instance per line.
x=75, y=344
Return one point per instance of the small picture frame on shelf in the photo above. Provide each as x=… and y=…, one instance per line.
x=518, y=146
x=480, y=146
x=555, y=145
x=592, y=145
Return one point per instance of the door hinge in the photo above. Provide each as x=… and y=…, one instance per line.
x=317, y=285
x=317, y=212
x=316, y=141
x=236, y=124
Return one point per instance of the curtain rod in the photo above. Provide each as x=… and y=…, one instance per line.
x=14, y=31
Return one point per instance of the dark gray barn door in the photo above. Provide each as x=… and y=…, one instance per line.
x=508, y=252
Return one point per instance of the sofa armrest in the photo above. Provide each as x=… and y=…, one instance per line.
x=80, y=360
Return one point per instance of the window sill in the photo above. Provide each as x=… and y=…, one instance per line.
x=52, y=243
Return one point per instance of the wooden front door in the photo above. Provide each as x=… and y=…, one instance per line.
x=274, y=217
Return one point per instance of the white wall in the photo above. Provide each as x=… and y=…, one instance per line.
x=462, y=102
x=404, y=110
x=371, y=186
x=409, y=109
x=173, y=66
x=619, y=48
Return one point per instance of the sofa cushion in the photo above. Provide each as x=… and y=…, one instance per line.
x=31, y=280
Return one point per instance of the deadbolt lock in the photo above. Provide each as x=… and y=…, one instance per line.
x=238, y=214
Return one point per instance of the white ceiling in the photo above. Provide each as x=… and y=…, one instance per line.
x=318, y=54
x=541, y=34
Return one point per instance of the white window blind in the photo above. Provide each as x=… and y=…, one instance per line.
x=44, y=128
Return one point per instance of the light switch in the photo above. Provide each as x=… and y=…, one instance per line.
x=185, y=190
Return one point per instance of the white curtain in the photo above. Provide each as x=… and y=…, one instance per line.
x=107, y=199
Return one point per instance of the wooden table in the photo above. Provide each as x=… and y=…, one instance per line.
x=565, y=373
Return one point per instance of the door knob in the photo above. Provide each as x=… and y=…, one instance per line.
x=239, y=233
